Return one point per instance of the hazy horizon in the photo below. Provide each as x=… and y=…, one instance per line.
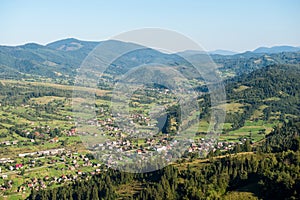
x=218, y=49
x=231, y=25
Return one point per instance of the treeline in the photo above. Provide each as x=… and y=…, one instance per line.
x=284, y=137
x=17, y=94
x=100, y=187
x=274, y=174
x=273, y=178
x=273, y=81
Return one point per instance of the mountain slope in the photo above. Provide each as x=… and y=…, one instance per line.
x=60, y=60
x=276, y=49
x=274, y=90
x=39, y=60
x=223, y=52
x=247, y=62
x=72, y=44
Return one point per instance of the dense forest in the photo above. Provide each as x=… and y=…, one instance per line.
x=276, y=87
x=272, y=170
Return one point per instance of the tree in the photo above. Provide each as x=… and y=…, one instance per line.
x=95, y=193
x=247, y=146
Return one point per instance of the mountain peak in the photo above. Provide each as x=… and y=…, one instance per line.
x=71, y=44
x=66, y=40
x=223, y=52
x=31, y=46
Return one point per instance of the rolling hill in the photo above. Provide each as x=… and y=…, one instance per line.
x=60, y=60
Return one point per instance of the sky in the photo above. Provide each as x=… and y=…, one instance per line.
x=235, y=25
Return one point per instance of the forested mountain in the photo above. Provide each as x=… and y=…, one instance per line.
x=60, y=59
x=273, y=91
x=247, y=62
x=275, y=86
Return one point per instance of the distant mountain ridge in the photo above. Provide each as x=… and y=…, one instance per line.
x=260, y=50
x=223, y=52
x=61, y=59
x=215, y=52
x=276, y=49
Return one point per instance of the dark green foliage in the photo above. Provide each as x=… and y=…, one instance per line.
x=97, y=188
x=37, y=60
x=269, y=82
x=283, y=138
x=276, y=87
x=17, y=94
x=247, y=62
x=276, y=176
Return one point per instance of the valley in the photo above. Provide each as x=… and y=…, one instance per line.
x=51, y=139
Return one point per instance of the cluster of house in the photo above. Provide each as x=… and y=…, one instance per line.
x=41, y=131
x=72, y=161
x=16, y=142
x=71, y=132
x=107, y=125
x=17, y=166
x=6, y=186
x=38, y=184
x=206, y=145
x=124, y=144
x=74, y=165
x=45, y=152
x=8, y=143
x=5, y=160
x=155, y=146
x=13, y=167
x=107, y=120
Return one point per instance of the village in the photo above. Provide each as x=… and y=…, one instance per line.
x=71, y=165
x=74, y=165
x=56, y=159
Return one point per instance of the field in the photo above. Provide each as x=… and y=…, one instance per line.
x=38, y=112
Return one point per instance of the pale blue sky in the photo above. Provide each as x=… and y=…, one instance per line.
x=215, y=24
